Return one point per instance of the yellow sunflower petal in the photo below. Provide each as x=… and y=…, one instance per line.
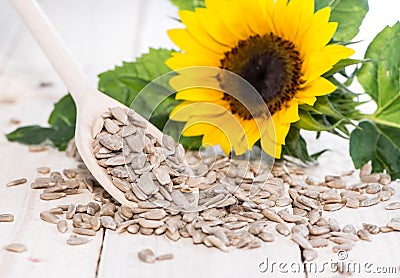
x=199, y=33
x=303, y=99
x=179, y=61
x=185, y=41
x=289, y=113
x=318, y=87
x=215, y=27
x=188, y=109
x=233, y=20
x=196, y=129
x=319, y=32
x=257, y=25
x=199, y=94
x=217, y=137
x=322, y=61
x=252, y=132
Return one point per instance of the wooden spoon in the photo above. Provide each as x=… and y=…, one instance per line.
x=90, y=103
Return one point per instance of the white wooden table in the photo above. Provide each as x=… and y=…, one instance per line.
x=100, y=35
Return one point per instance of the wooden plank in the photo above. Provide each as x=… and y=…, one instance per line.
x=48, y=254
x=119, y=258
x=365, y=257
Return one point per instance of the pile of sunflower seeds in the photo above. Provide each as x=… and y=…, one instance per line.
x=294, y=206
x=215, y=201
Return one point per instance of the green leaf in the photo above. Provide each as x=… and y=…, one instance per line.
x=341, y=65
x=123, y=83
x=295, y=146
x=312, y=122
x=64, y=113
x=348, y=13
x=62, y=127
x=30, y=135
x=188, y=4
x=378, y=143
x=380, y=77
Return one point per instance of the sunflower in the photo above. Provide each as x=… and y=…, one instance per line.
x=281, y=48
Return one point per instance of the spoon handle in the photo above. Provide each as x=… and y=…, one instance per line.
x=41, y=28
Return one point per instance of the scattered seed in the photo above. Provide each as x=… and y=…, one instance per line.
x=43, y=170
x=77, y=240
x=16, y=247
x=309, y=254
x=393, y=206
x=49, y=217
x=147, y=256
x=282, y=229
x=62, y=226
x=16, y=182
x=165, y=257
x=6, y=217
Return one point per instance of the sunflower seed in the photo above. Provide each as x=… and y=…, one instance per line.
x=119, y=113
x=217, y=243
x=309, y=254
x=369, y=202
x=108, y=222
x=165, y=257
x=301, y=241
x=394, y=225
x=36, y=149
x=384, y=195
x=146, y=184
x=343, y=247
x=77, y=240
x=133, y=229
x=291, y=218
x=306, y=201
x=319, y=242
x=373, y=188
x=266, y=236
x=62, y=226
x=372, y=229
x=385, y=179
x=341, y=240
x=110, y=141
x=352, y=203
x=282, y=229
x=52, y=196
x=84, y=232
x=6, y=217
x=97, y=126
x=110, y=126
x=334, y=225
x=16, y=182
x=162, y=175
x=345, y=235
x=152, y=224
x=172, y=236
x=332, y=207
x=385, y=229
x=370, y=178
x=393, y=206
x=147, y=256
x=15, y=247
x=49, y=217
x=349, y=229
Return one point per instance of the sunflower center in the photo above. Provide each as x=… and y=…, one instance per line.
x=270, y=64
